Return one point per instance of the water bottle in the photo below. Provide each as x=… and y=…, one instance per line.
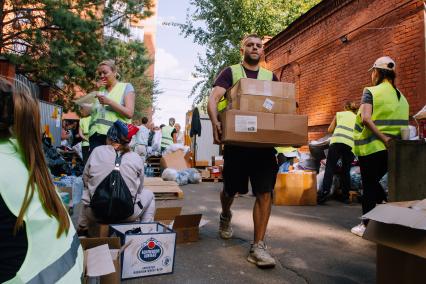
x=104, y=92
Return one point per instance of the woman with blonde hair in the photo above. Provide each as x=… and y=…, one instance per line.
x=38, y=243
x=116, y=100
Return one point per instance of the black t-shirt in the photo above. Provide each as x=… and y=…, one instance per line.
x=13, y=248
x=224, y=79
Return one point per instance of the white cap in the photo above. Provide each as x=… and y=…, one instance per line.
x=384, y=62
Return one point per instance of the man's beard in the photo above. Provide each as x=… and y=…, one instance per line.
x=251, y=61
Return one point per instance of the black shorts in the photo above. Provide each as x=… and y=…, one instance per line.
x=244, y=163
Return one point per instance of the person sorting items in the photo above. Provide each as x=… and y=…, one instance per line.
x=38, y=243
x=101, y=164
x=384, y=111
x=244, y=163
x=116, y=100
x=141, y=141
x=167, y=134
x=341, y=145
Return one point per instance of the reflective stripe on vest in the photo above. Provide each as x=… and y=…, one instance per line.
x=101, y=124
x=166, y=138
x=48, y=259
x=60, y=267
x=238, y=73
x=389, y=115
x=344, y=131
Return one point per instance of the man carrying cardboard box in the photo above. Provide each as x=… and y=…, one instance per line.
x=242, y=163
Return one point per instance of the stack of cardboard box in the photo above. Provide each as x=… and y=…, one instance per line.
x=263, y=113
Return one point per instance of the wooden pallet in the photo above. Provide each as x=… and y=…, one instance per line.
x=163, y=190
x=212, y=179
x=154, y=163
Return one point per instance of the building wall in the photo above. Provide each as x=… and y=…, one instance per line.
x=328, y=72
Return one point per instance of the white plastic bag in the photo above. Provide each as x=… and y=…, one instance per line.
x=169, y=174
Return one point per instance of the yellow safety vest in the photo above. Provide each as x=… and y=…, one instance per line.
x=85, y=126
x=101, y=124
x=49, y=259
x=166, y=138
x=344, y=131
x=238, y=73
x=389, y=115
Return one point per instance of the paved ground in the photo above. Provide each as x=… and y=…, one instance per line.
x=311, y=244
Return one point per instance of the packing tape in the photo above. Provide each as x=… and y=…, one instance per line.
x=267, y=88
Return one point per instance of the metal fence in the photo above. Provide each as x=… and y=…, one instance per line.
x=50, y=114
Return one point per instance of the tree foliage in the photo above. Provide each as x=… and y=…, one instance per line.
x=60, y=42
x=221, y=24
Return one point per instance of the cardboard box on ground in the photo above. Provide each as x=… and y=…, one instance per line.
x=95, y=262
x=295, y=188
x=185, y=226
x=176, y=160
x=399, y=230
x=150, y=249
x=262, y=113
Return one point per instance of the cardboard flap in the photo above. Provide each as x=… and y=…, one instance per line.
x=185, y=221
x=391, y=214
x=398, y=237
x=167, y=213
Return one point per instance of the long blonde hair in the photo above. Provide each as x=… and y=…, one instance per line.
x=27, y=130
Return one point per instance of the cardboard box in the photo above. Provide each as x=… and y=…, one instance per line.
x=295, y=188
x=113, y=244
x=263, y=129
x=247, y=86
x=217, y=160
x=175, y=160
x=149, y=252
x=399, y=230
x=202, y=163
x=185, y=226
x=205, y=173
x=263, y=104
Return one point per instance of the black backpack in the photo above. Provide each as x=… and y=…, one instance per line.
x=112, y=201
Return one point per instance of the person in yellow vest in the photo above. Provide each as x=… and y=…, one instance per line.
x=341, y=144
x=83, y=131
x=167, y=134
x=384, y=111
x=116, y=100
x=38, y=243
x=244, y=163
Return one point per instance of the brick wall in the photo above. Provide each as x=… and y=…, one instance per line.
x=328, y=72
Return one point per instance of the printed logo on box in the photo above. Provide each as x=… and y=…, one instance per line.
x=150, y=251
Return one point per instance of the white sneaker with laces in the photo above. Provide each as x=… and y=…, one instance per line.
x=358, y=230
x=260, y=256
x=225, y=229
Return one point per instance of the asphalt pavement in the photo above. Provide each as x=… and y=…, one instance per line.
x=311, y=244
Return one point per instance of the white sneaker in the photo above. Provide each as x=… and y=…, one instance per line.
x=358, y=230
x=260, y=256
x=225, y=229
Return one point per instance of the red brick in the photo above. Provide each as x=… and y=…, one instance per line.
x=332, y=72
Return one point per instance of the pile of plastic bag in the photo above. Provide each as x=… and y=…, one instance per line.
x=175, y=147
x=182, y=177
